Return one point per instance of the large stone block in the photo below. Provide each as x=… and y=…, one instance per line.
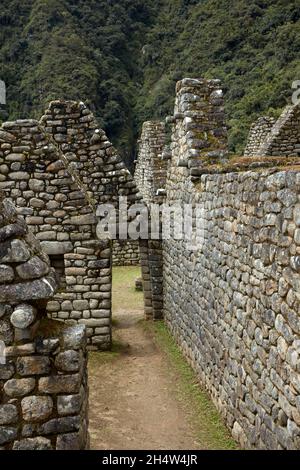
x=36, y=408
x=69, y=404
x=60, y=384
x=60, y=425
x=8, y=414
x=68, y=361
x=32, y=269
x=37, y=289
x=36, y=443
x=19, y=387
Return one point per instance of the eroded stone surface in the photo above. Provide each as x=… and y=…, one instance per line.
x=23, y=316
x=19, y=387
x=36, y=408
x=36, y=443
x=8, y=414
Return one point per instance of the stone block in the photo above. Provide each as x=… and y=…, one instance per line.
x=56, y=247
x=60, y=384
x=68, y=361
x=8, y=414
x=70, y=441
x=35, y=365
x=68, y=404
x=60, y=425
x=36, y=408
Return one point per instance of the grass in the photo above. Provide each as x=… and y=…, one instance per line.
x=124, y=295
x=97, y=358
x=211, y=431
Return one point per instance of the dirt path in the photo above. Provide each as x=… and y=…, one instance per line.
x=132, y=405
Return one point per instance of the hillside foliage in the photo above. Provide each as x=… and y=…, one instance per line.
x=124, y=57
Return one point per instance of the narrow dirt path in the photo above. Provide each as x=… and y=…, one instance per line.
x=132, y=405
x=134, y=399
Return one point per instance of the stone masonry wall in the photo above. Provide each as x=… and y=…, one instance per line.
x=49, y=193
x=259, y=131
x=198, y=122
x=100, y=168
x=58, y=171
x=86, y=298
x=43, y=366
x=233, y=303
x=125, y=253
x=150, y=176
x=281, y=138
x=151, y=168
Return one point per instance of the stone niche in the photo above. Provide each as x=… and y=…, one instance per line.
x=43, y=363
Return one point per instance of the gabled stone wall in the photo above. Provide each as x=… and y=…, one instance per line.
x=258, y=133
x=43, y=367
x=280, y=138
x=100, y=168
x=88, y=150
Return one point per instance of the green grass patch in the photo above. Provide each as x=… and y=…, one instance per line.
x=211, y=431
x=124, y=295
x=103, y=357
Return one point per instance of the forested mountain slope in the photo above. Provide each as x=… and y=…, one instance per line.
x=123, y=57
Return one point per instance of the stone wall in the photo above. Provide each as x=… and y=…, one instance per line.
x=200, y=133
x=86, y=298
x=88, y=150
x=258, y=133
x=43, y=371
x=233, y=303
x=151, y=168
x=58, y=171
x=125, y=253
x=49, y=193
x=281, y=138
x=150, y=176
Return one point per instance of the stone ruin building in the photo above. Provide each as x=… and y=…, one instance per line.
x=232, y=302
x=277, y=138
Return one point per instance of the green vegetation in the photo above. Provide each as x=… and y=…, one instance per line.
x=123, y=58
x=97, y=358
x=210, y=429
x=124, y=295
